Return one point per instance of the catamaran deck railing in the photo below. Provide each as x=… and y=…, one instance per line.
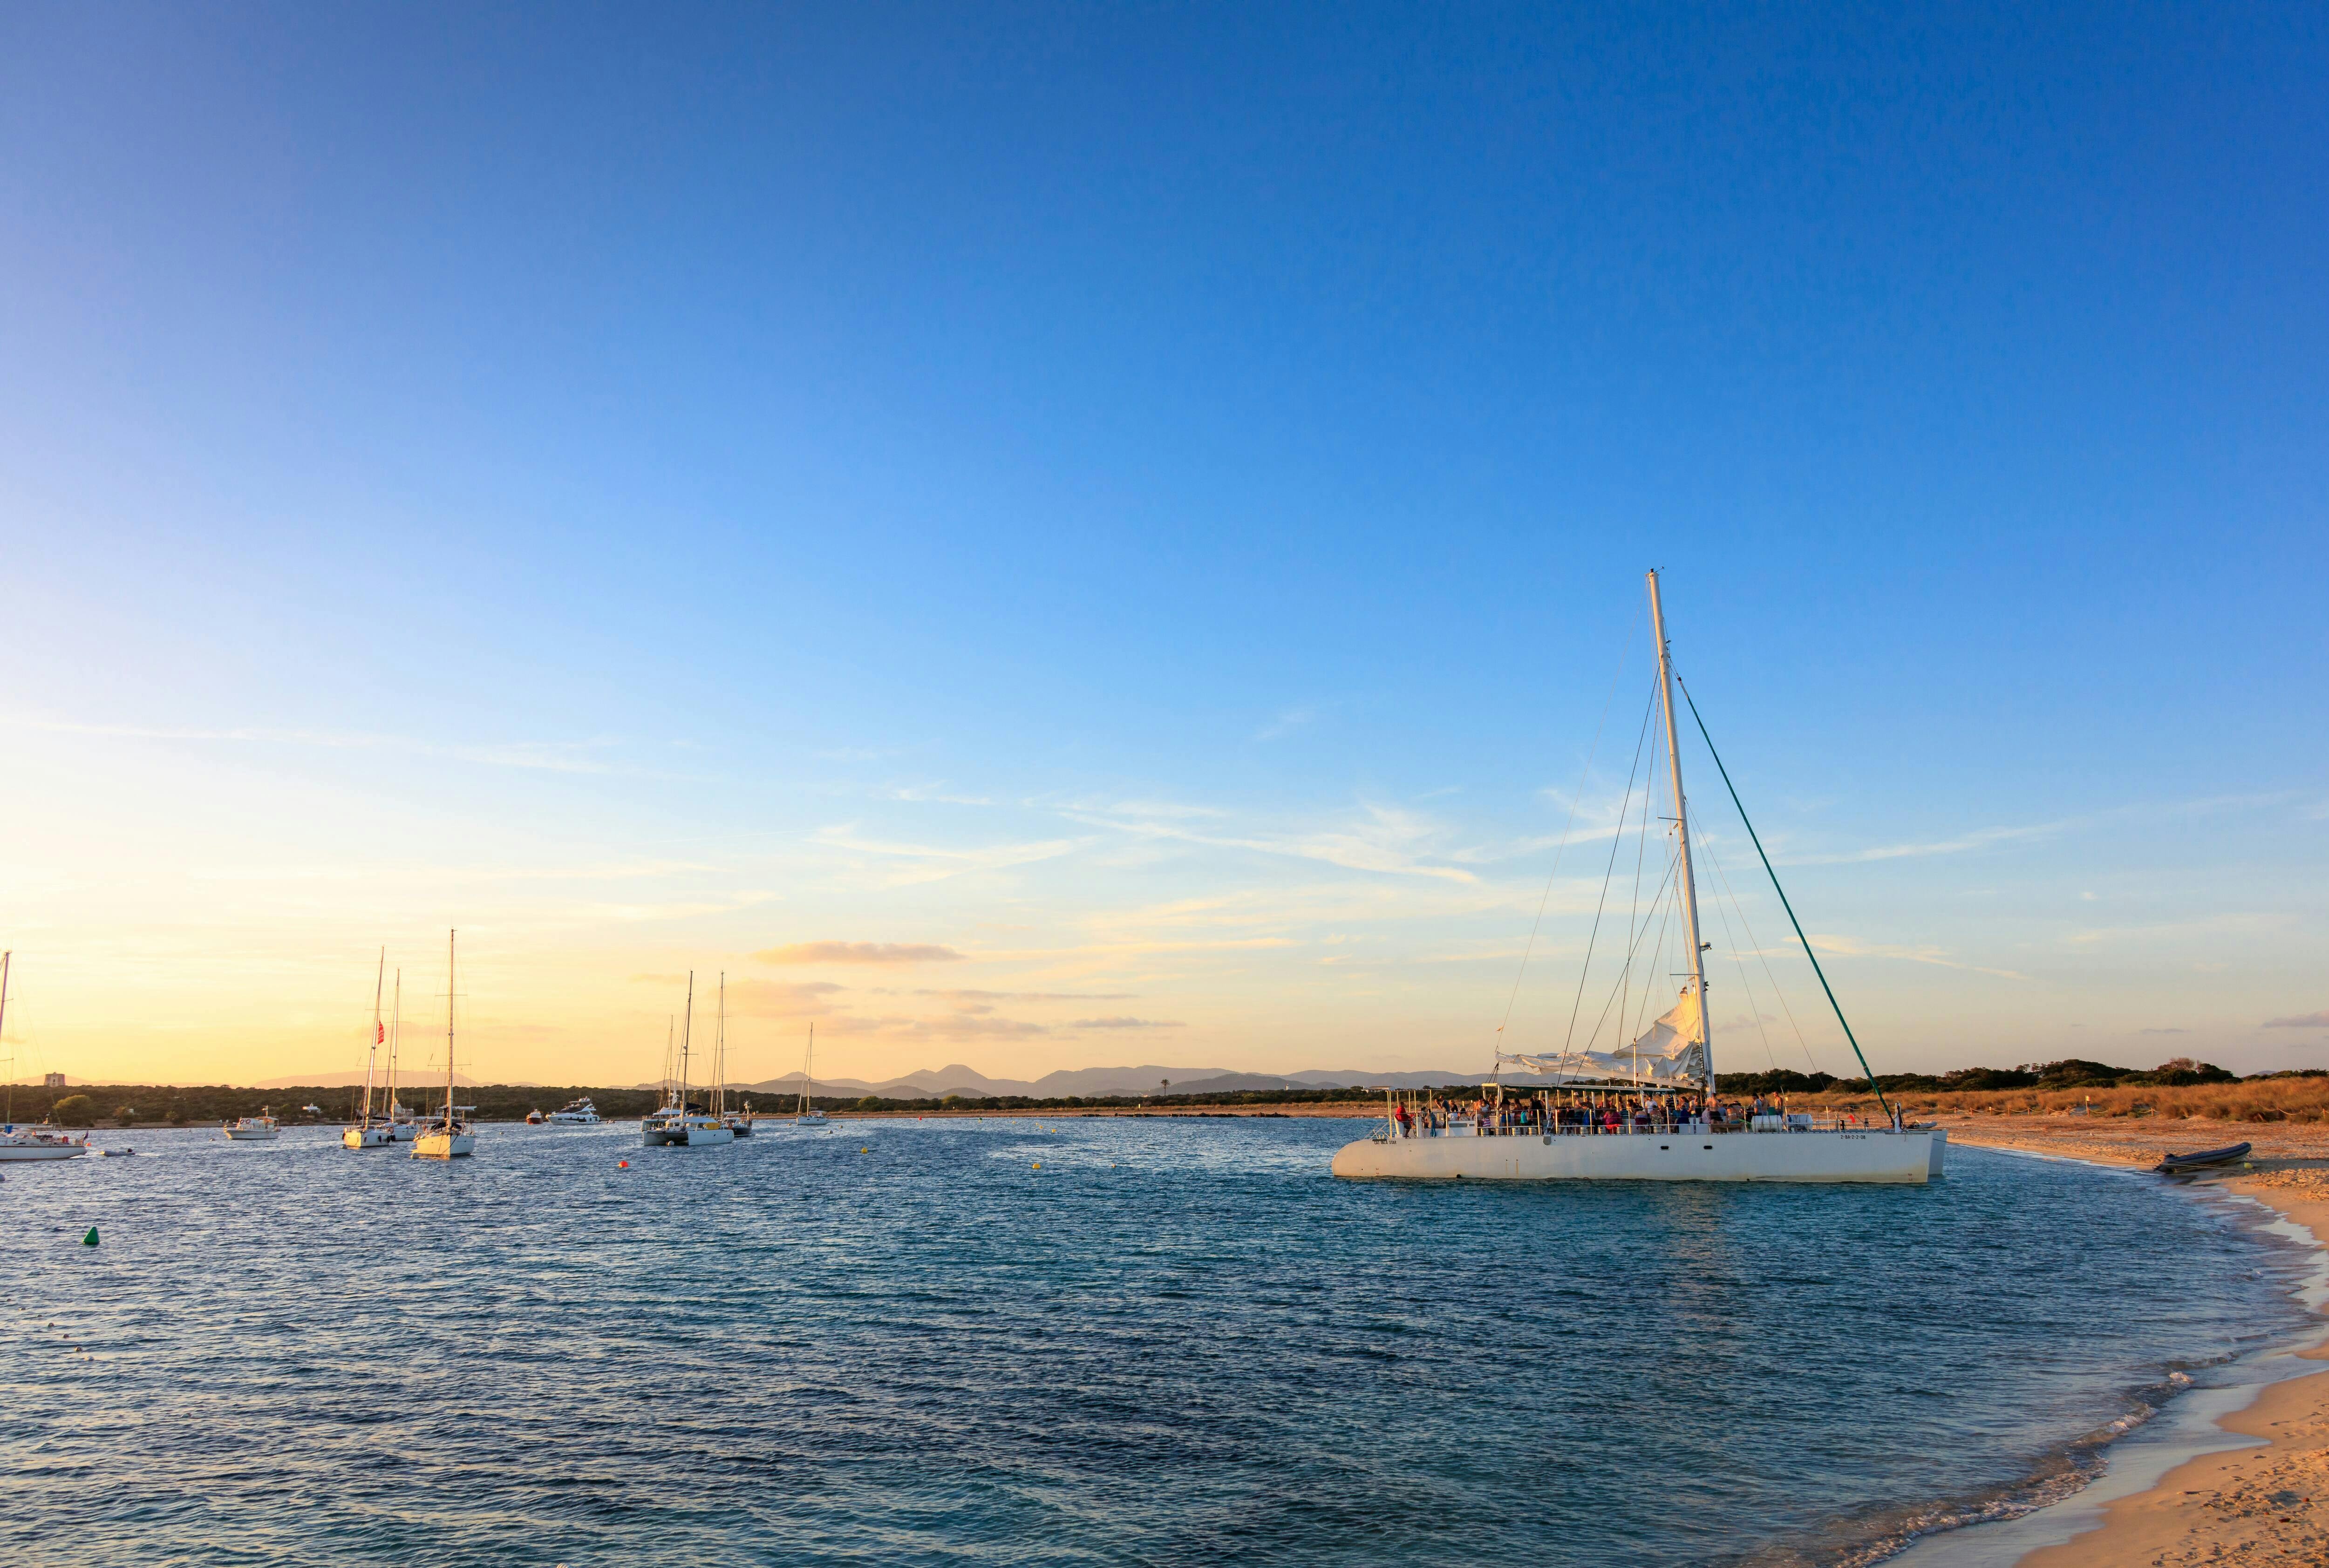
x=1466, y=1127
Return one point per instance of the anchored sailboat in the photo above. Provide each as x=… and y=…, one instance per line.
x=43, y=1141
x=677, y=1124
x=808, y=1114
x=739, y=1123
x=367, y=1134
x=1644, y=1109
x=451, y=1138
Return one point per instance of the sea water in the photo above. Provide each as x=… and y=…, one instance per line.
x=1129, y=1340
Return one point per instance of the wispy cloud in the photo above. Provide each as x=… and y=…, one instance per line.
x=538, y=755
x=2313, y=1020
x=1853, y=947
x=919, y=863
x=1127, y=1023
x=1386, y=838
x=1985, y=837
x=858, y=952
x=1286, y=723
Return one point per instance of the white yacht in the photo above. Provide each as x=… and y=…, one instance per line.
x=450, y=1136
x=40, y=1143
x=260, y=1128
x=370, y=1133
x=1646, y=1110
x=578, y=1112
x=43, y=1141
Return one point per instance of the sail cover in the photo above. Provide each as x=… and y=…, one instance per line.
x=1671, y=1054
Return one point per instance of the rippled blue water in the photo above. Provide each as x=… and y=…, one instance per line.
x=1177, y=1341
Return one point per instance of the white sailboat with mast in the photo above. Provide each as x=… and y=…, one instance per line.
x=808, y=1115
x=707, y=1129
x=43, y=1141
x=451, y=1138
x=739, y=1123
x=367, y=1134
x=661, y=1126
x=1663, y=1082
x=403, y=1126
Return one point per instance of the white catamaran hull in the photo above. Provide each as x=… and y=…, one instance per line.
x=444, y=1145
x=1875, y=1154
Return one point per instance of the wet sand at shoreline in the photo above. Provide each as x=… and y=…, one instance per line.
x=2265, y=1504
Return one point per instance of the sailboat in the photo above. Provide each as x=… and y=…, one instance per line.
x=401, y=1124
x=704, y=1130
x=1659, y=1122
x=739, y=1123
x=677, y=1124
x=809, y=1115
x=367, y=1134
x=451, y=1138
x=660, y=1127
x=40, y=1142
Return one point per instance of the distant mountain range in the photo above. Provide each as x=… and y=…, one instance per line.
x=937, y=1083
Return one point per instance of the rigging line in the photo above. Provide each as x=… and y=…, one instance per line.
x=1665, y=885
x=1625, y=807
x=1782, y=892
x=1733, y=943
x=1574, y=800
x=1641, y=1019
x=1641, y=847
x=1764, y=959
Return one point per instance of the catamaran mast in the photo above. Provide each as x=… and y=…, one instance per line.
x=720, y=1053
x=1682, y=832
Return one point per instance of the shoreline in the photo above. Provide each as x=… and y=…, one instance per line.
x=2254, y=1494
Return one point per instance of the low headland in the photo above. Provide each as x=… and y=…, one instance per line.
x=2079, y=1091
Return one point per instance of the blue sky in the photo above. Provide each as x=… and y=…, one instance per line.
x=1151, y=500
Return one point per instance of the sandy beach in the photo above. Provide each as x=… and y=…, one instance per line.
x=2262, y=1505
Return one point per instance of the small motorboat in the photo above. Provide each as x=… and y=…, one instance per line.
x=534, y=1118
x=260, y=1128
x=2176, y=1164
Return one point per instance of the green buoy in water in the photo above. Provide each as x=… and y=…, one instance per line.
x=89, y=1239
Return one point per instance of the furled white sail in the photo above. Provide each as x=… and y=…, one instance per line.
x=1671, y=1054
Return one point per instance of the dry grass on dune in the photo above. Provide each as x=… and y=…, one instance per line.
x=2259, y=1099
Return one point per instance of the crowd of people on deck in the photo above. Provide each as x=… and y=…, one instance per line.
x=1580, y=1111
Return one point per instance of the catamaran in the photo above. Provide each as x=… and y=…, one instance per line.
x=450, y=1137
x=1645, y=1111
x=808, y=1114
x=368, y=1133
